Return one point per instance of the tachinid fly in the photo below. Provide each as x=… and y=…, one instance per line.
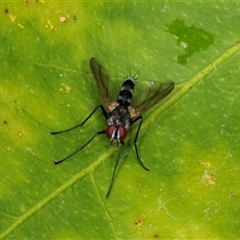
x=121, y=114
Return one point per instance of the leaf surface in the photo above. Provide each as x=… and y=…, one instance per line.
x=190, y=141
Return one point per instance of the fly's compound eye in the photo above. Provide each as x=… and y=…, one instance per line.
x=113, y=132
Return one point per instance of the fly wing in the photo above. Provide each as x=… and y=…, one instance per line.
x=148, y=99
x=101, y=78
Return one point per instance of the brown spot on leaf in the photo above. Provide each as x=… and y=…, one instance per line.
x=233, y=194
x=210, y=179
x=137, y=223
x=62, y=19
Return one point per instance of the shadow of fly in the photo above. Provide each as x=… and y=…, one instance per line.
x=120, y=112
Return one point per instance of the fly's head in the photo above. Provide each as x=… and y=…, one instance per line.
x=118, y=122
x=116, y=134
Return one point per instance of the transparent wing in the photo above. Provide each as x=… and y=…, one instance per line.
x=101, y=78
x=146, y=100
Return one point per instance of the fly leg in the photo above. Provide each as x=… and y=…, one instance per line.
x=81, y=148
x=115, y=169
x=135, y=141
x=81, y=124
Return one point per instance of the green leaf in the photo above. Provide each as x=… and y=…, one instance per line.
x=190, y=141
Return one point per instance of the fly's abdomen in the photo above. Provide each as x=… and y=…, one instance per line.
x=126, y=92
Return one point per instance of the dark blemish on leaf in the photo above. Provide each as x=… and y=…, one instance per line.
x=74, y=17
x=233, y=194
x=189, y=38
x=26, y=2
x=137, y=223
x=155, y=236
x=6, y=10
x=5, y=122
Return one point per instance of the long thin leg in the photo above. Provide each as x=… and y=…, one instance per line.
x=135, y=141
x=81, y=124
x=81, y=148
x=114, y=170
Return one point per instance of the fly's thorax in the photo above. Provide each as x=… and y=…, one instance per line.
x=126, y=92
x=120, y=116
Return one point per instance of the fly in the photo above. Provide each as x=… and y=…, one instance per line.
x=120, y=114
